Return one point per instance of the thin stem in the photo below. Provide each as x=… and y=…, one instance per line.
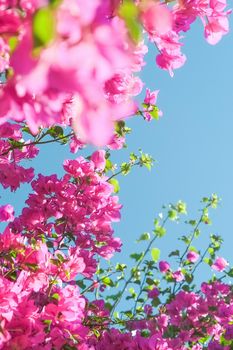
x=37, y=142
x=128, y=281
x=194, y=232
x=141, y=290
x=97, y=281
x=121, y=171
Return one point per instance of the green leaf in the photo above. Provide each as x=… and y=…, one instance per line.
x=155, y=113
x=174, y=253
x=155, y=302
x=81, y=284
x=56, y=131
x=119, y=127
x=55, y=3
x=150, y=281
x=129, y=12
x=160, y=231
x=181, y=207
x=144, y=237
x=192, y=222
x=56, y=296
x=108, y=165
x=145, y=333
x=16, y=144
x=188, y=278
x=107, y=281
x=172, y=214
x=43, y=27
x=155, y=253
x=208, y=261
x=115, y=183
x=146, y=160
x=125, y=168
x=133, y=157
x=120, y=267
x=132, y=292
x=137, y=256
x=13, y=42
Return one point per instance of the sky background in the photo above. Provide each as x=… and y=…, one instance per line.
x=192, y=144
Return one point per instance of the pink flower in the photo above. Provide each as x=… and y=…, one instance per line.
x=6, y=213
x=156, y=18
x=219, y=264
x=151, y=97
x=98, y=158
x=170, y=61
x=117, y=142
x=178, y=276
x=216, y=28
x=153, y=293
x=192, y=256
x=148, y=309
x=164, y=266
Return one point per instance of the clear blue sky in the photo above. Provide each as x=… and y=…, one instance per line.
x=192, y=143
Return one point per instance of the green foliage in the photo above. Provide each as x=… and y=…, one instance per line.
x=43, y=27
x=121, y=129
x=129, y=12
x=115, y=184
x=155, y=253
x=146, y=160
x=13, y=42
x=144, y=237
x=133, y=283
x=125, y=168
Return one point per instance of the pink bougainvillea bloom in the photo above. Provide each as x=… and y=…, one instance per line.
x=219, y=264
x=156, y=18
x=164, y=266
x=216, y=28
x=117, y=142
x=153, y=293
x=192, y=256
x=148, y=309
x=178, y=276
x=170, y=61
x=6, y=213
x=151, y=97
x=98, y=158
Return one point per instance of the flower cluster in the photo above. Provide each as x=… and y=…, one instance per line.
x=83, y=72
x=85, y=62
x=189, y=321
x=11, y=173
x=66, y=224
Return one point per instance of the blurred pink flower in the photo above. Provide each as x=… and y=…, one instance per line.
x=219, y=264
x=192, y=256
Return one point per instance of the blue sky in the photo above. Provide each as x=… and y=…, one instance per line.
x=192, y=144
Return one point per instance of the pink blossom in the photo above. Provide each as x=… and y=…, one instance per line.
x=192, y=256
x=164, y=266
x=98, y=158
x=151, y=97
x=6, y=213
x=153, y=293
x=170, y=61
x=216, y=28
x=148, y=309
x=178, y=276
x=156, y=17
x=116, y=142
x=219, y=264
